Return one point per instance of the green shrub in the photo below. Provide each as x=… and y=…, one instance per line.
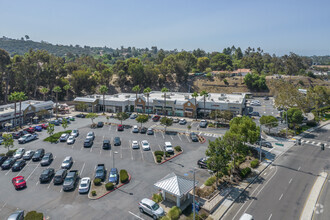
x=167, y=154
x=311, y=123
x=165, y=218
x=10, y=153
x=159, y=158
x=93, y=193
x=254, y=163
x=158, y=152
x=178, y=148
x=211, y=125
x=97, y=181
x=174, y=213
x=2, y=154
x=246, y=171
x=33, y=215
x=210, y=181
x=157, y=197
x=123, y=176
x=54, y=138
x=109, y=186
x=240, y=159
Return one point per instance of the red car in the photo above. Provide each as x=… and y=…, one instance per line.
x=31, y=130
x=156, y=118
x=44, y=126
x=120, y=128
x=19, y=182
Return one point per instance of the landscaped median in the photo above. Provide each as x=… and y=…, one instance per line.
x=54, y=138
x=161, y=157
x=99, y=189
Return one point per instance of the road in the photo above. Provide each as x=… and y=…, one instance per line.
x=281, y=191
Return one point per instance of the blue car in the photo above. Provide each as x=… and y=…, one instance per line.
x=113, y=176
x=38, y=128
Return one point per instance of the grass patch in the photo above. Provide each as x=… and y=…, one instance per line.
x=210, y=181
x=54, y=138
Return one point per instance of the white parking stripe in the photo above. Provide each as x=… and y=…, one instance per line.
x=32, y=172
x=8, y=171
x=179, y=137
x=171, y=137
x=160, y=147
x=200, y=133
x=141, y=151
x=24, y=166
x=188, y=139
x=163, y=135
x=130, y=147
x=135, y=215
x=82, y=169
x=3, y=206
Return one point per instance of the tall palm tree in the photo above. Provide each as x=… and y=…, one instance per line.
x=195, y=95
x=13, y=97
x=136, y=89
x=204, y=94
x=67, y=87
x=57, y=90
x=147, y=91
x=103, y=89
x=21, y=97
x=44, y=91
x=165, y=90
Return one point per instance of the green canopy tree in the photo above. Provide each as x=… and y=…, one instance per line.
x=4, y=62
x=57, y=90
x=195, y=95
x=165, y=90
x=147, y=92
x=44, y=91
x=295, y=116
x=122, y=116
x=21, y=97
x=65, y=123
x=246, y=128
x=8, y=140
x=13, y=97
x=203, y=63
x=50, y=129
x=269, y=121
x=204, y=94
x=142, y=119
x=103, y=89
x=92, y=116
x=166, y=122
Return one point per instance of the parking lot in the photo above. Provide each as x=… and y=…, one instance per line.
x=121, y=204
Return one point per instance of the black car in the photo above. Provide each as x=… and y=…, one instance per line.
x=19, y=134
x=117, y=141
x=88, y=142
x=70, y=180
x=18, y=165
x=266, y=98
x=193, y=137
x=60, y=176
x=46, y=159
x=106, y=144
x=81, y=116
x=150, y=131
x=8, y=163
x=38, y=154
x=46, y=175
x=100, y=124
x=3, y=159
x=255, y=114
x=202, y=162
x=143, y=130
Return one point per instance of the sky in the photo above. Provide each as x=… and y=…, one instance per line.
x=278, y=26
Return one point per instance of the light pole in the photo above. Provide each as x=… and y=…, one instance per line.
x=113, y=158
x=194, y=208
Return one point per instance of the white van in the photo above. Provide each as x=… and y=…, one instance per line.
x=246, y=216
x=168, y=147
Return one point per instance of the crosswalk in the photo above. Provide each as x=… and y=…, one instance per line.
x=316, y=142
x=209, y=134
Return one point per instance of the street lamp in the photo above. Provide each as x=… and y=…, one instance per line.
x=113, y=158
x=194, y=184
x=260, y=136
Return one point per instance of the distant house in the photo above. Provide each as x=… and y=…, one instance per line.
x=240, y=72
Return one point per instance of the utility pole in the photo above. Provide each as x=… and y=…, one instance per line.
x=287, y=124
x=260, y=145
x=194, y=205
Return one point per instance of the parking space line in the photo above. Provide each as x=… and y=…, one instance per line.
x=61, y=189
x=188, y=139
x=91, y=148
x=141, y=151
x=171, y=137
x=24, y=167
x=32, y=172
x=121, y=151
x=163, y=135
x=160, y=147
x=110, y=152
x=8, y=171
x=3, y=206
x=179, y=137
x=155, y=135
x=82, y=169
x=135, y=215
x=82, y=147
x=130, y=146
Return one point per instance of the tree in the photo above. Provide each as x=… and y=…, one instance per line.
x=92, y=116
x=142, y=119
x=147, y=92
x=4, y=62
x=165, y=90
x=255, y=82
x=57, y=90
x=64, y=123
x=269, y=121
x=81, y=106
x=8, y=140
x=204, y=94
x=166, y=122
x=13, y=97
x=67, y=87
x=318, y=96
x=50, y=129
x=44, y=91
x=246, y=128
x=21, y=97
x=27, y=37
x=122, y=116
x=103, y=89
x=202, y=63
x=294, y=116
x=136, y=89
x=195, y=95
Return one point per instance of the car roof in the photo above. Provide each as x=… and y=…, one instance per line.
x=59, y=172
x=168, y=143
x=148, y=201
x=113, y=169
x=134, y=142
x=106, y=141
x=85, y=179
x=67, y=158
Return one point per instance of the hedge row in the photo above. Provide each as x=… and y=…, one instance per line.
x=158, y=152
x=159, y=158
x=123, y=176
x=178, y=148
x=254, y=163
x=246, y=171
x=109, y=186
x=53, y=138
x=210, y=181
x=10, y=153
x=33, y=215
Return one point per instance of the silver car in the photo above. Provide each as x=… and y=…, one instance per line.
x=70, y=140
x=18, y=215
x=67, y=163
x=150, y=207
x=19, y=153
x=74, y=133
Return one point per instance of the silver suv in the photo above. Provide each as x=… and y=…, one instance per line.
x=150, y=207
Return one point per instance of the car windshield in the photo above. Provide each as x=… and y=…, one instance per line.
x=66, y=161
x=20, y=181
x=83, y=185
x=16, y=163
x=6, y=162
x=99, y=171
x=45, y=172
x=68, y=179
x=145, y=143
x=155, y=206
x=113, y=175
x=46, y=157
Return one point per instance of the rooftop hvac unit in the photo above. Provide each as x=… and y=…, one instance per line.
x=127, y=96
x=116, y=96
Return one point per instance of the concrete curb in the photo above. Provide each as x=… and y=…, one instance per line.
x=129, y=179
x=204, y=139
x=170, y=158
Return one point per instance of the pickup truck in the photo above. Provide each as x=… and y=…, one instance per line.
x=100, y=172
x=70, y=180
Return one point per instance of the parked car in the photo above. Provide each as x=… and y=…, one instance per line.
x=120, y=128
x=60, y=176
x=8, y=163
x=38, y=154
x=84, y=185
x=193, y=137
x=64, y=137
x=150, y=131
x=264, y=144
x=47, y=175
x=155, y=118
x=19, y=183
x=70, y=180
x=135, y=129
x=143, y=130
x=18, y=165
x=135, y=145
x=31, y=130
x=203, y=124
x=70, y=140
x=47, y=159
x=75, y=133
x=100, y=124
x=88, y=142
x=67, y=162
x=44, y=126
x=55, y=122
x=71, y=118
x=151, y=208
x=17, y=135
x=106, y=144
x=38, y=128
x=168, y=147
x=81, y=116
x=182, y=121
x=176, y=120
x=19, y=153
x=117, y=141
x=27, y=138
x=255, y=114
x=90, y=135
x=202, y=162
x=113, y=176
x=145, y=145
x=100, y=172
x=133, y=116
x=266, y=98
x=3, y=159
x=17, y=215
x=28, y=155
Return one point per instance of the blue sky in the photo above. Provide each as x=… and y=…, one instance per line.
x=276, y=26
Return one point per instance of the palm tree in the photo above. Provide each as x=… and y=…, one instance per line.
x=13, y=97
x=195, y=95
x=136, y=89
x=147, y=91
x=165, y=90
x=103, y=89
x=57, y=89
x=44, y=91
x=21, y=97
x=205, y=94
x=67, y=87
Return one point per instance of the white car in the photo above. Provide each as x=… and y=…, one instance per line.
x=70, y=140
x=27, y=138
x=74, y=133
x=84, y=185
x=135, y=129
x=168, y=147
x=19, y=153
x=145, y=145
x=182, y=121
x=135, y=145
